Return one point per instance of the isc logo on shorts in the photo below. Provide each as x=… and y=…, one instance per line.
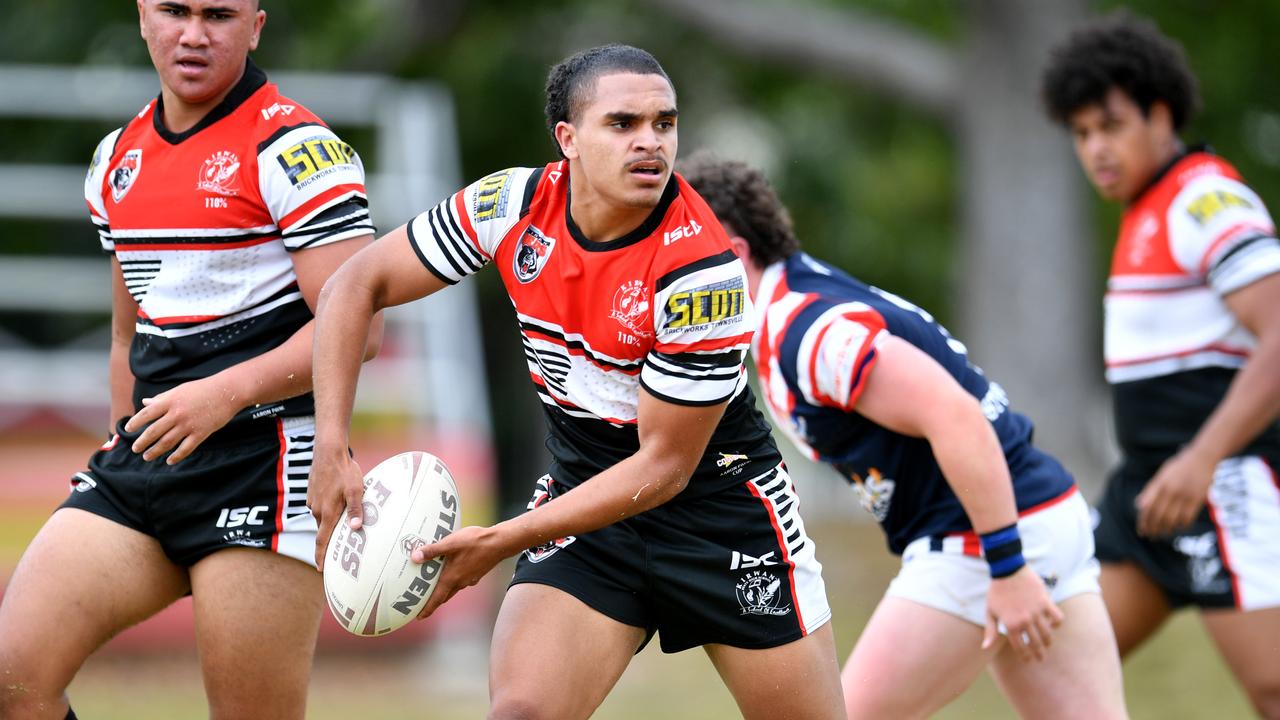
x=235, y=517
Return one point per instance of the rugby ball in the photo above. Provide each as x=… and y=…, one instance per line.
x=372, y=585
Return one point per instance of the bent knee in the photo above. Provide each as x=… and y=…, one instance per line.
x=521, y=708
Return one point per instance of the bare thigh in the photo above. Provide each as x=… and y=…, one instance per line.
x=940, y=653
x=81, y=580
x=1250, y=643
x=257, y=614
x=1136, y=605
x=798, y=680
x=553, y=656
x=1080, y=675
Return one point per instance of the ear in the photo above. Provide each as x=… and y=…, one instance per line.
x=259, y=19
x=740, y=247
x=142, y=12
x=567, y=138
x=1161, y=117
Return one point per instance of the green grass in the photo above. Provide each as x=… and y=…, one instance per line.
x=1177, y=675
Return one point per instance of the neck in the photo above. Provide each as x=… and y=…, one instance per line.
x=600, y=219
x=754, y=273
x=180, y=116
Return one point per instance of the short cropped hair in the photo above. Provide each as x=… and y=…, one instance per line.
x=1124, y=52
x=570, y=83
x=745, y=203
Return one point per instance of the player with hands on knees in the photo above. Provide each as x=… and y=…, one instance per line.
x=997, y=555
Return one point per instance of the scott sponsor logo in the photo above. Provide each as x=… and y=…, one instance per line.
x=428, y=571
x=706, y=305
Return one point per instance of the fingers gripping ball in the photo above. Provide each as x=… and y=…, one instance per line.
x=372, y=585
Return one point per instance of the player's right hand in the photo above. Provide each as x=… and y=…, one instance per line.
x=1022, y=604
x=336, y=484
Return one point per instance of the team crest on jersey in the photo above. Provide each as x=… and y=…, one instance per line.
x=218, y=174
x=631, y=306
x=874, y=492
x=758, y=594
x=532, y=254
x=538, y=553
x=125, y=174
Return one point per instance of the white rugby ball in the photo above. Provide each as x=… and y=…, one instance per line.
x=372, y=584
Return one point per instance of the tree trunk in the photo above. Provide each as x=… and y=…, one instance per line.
x=1027, y=299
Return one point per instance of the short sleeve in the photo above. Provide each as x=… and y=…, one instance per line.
x=837, y=353
x=1220, y=230
x=460, y=235
x=703, y=321
x=313, y=185
x=94, y=181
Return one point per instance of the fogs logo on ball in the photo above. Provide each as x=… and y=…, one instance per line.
x=125, y=174
x=532, y=254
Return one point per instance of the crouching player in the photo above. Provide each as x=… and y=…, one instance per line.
x=995, y=539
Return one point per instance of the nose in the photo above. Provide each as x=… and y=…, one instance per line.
x=645, y=139
x=1092, y=145
x=193, y=32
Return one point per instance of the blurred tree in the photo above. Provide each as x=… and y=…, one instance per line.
x=1023, y=268
x=867, y=114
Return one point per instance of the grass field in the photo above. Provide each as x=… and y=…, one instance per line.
x=1177, y=675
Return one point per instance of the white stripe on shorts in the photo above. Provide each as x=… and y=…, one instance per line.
x=298, y=537
x=1244, y=503
x=778, y=493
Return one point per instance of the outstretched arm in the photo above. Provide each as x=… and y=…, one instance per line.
x=672, y=441
x=384, y=274
x=1174, y=496
x=910, y=393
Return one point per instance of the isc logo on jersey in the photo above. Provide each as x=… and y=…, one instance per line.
x=704, y=305
x=315, y=158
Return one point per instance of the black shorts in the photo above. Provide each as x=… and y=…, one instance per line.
x=733, y=568
x=1229, y=557
x=245, y=486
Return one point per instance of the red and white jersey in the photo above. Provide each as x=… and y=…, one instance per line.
x=1173, y=347
x=203, y=223
x=1196, y=235
x=664, y=307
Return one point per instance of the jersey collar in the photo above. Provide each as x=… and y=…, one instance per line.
x=1196, y=149
x=252, y=79
x=646, y=228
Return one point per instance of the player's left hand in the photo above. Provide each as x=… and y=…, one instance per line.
x=470, y=553
x=1174, y=496
x=181, y=418
x=1021, y=602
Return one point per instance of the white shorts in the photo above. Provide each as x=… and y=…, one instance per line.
x=950, y=574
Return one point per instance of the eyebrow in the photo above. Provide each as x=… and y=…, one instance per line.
x=632, y=117
x=204, y=11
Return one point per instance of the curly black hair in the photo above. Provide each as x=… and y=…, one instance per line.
x=1125, y=52
x=745, y=203
x=570, y=82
